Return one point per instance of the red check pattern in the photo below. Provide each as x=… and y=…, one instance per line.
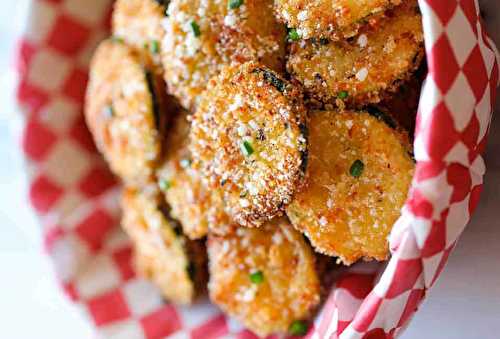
x=75, y=196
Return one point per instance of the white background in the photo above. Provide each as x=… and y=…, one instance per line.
x=464, y=304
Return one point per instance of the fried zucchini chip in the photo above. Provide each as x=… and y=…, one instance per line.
x=162, y=254
x=203, y=36
x=359, y=174
x=139, y=23
x=264, y=277
x=248, y=139
x=332, y=19
x=362, y=70
x=123, y=112
x=196, y=207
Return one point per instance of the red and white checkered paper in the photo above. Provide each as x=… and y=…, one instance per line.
x=75, y=196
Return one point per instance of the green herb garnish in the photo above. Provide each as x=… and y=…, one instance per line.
x=246, y=148
x=234, y=4
x=117, y=39
x=165, y=185
x=154, y=47
x=357, y=168
x=257, y=277
x=298, y=327
x=185, y=163
x=196, y=28
x=109, y=112
x=342, y=95
x=293, y=35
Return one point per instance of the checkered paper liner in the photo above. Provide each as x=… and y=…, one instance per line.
x=75, y=195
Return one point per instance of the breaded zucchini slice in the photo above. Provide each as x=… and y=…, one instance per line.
x=195, y=206
x=364, y=69
x=139, y=23
x=203, y=36
x=359, y=174
x=332, y=19
x=249, y=140
x=123, y=112
x=264, y=277
x=162, y=254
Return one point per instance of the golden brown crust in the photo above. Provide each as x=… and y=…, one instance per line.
x=173, y=263
x=248, y=139
x=359, y=174
x=139, y=23
x=264, y=277
x=366, y=68
x=331, y=19
x=123, y=114
x=195, y=206
x=203, y=36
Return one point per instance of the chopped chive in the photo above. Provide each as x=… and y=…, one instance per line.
x=298, y=327
x=357, y=168
x=234, y=4
x=257, y=277
x=165, y=185
x=342, y=95
x=117, y=39
x=246, y=148
x=154, y=47
x=196, y=28
x=109, y=112
x=293, y=35
x=185, y=163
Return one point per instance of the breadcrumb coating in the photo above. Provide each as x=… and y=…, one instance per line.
x=192, y=203
x=332, y=19
x=123, y=114
x=139, y=23
x=359, y=174
x=249, y=141
x=264, y=277
x=175, y=264
x=202, y=36
x=366, y=68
